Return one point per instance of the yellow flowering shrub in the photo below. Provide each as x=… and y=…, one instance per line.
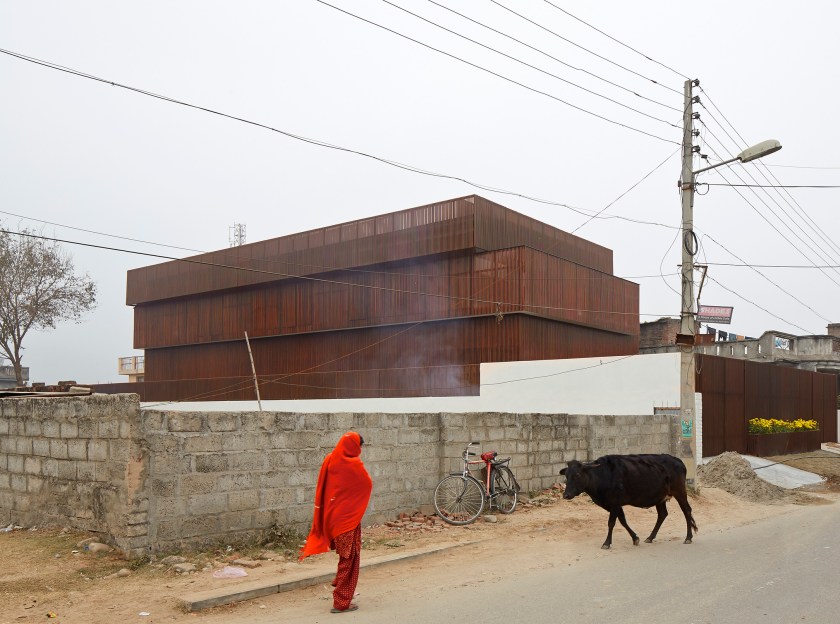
x=774, y=425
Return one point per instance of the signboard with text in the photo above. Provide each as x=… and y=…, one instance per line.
x=714, y=314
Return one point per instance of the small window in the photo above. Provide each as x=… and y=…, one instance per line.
x=746, y=350
x=731, y=350
x=759, y=348
x=717, y=350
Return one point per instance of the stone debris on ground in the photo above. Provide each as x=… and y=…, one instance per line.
x=732, y=473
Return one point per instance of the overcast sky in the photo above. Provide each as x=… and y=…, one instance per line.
x=80, y=153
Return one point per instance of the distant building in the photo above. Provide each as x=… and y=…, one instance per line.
x=819, y=353
x=8, y=378
x=133, y=366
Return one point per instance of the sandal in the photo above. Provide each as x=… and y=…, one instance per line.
x=352, y=607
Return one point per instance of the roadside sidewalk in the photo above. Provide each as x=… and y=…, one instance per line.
x=303, y=575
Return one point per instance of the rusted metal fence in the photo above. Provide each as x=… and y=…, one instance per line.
x=736, y=391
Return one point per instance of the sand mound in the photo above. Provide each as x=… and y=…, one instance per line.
x=732, y=473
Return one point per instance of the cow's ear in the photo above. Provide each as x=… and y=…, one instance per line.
x=562, y=472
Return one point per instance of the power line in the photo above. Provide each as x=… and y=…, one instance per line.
x=775, y=266
x=554, y=58
x=324, y=144
x=603, y=58
x=755, y=269
x=645, y=177
x=526, y=64
x=498, y=75
x=759, y=213
x=758, y=164
x=709, y=277
x=802, y=167
x=323, y=280
x=680, y=74
x=778, y=186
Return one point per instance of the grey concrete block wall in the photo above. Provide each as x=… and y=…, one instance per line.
x=75, y=461
x=162, y=480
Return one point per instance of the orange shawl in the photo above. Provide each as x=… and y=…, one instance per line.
x=341, y=496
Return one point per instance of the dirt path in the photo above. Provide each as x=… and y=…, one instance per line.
x=42, y=574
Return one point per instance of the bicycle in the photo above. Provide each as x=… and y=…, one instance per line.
x=460, y=498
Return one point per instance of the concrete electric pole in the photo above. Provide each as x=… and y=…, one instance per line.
x=685, y=340
x=687, y=446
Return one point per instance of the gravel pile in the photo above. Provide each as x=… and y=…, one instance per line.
x=732, y=473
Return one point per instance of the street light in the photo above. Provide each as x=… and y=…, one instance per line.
x=688, y=447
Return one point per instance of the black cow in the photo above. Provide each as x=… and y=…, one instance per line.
x=645, y=481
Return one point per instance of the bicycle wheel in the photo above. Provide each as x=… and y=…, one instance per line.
x=504, y=489
x=459, y=499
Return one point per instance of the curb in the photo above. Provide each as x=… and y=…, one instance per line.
x=247, y=591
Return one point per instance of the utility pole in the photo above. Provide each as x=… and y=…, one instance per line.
x=685, y=340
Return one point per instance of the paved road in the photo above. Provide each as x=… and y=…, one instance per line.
x=777, y=571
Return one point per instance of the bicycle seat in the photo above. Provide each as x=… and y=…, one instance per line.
x=500, y=462
x=489, y=455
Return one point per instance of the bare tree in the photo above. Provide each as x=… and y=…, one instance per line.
x=38, y=289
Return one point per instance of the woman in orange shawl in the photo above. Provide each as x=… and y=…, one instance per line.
x=341, y=498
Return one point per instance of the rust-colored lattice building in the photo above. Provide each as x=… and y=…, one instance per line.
x=407, y=303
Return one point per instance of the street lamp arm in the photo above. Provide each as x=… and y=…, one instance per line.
x=759, y=150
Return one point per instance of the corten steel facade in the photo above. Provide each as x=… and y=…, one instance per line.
x=736, y=391
x=403, y=304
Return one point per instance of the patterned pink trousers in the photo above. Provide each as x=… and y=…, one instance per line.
x=349, y=547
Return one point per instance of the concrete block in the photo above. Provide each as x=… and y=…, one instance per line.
x=109, y=428
x=4, y=462
x=247, y=461
x=66, y=469
x=8, y=444
x=15, y=463
x=50, y=429
x=169, y=464
x=58, y=449
x=34, y=484
x=164, y=486
x=247, y=499
x=32, y=465
x=18, y=482
x=134, y=519
x=202, y=526
x=273, y=499
x=235, y=522
x=317, y=422
x=193, y=484
x=31, y=427
x=87, y=428
x=118, y=450
x=169, y=508
x=86, y=471
x=204, y=504
x=408, y=436
x=237, y=481
x=202, y=443
x=211, y=462
x=223, y=421
x=152, y=421
x=77, y=449
x=4, y=424
x=135, y=530
x=23, y=446
x=69, y=429
x=41, y=447
x=184, y=421
x=97, y=450
x=244, y=441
